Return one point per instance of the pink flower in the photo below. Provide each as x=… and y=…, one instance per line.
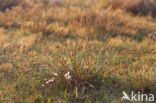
x=55, y=74
x=50, y=80
x=67, y=76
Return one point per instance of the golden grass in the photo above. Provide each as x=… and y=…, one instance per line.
x=104, y=51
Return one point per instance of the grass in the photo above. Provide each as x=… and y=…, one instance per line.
x=141, y=7
x=74, y=51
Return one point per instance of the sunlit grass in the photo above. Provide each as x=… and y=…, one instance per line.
x=74, y=51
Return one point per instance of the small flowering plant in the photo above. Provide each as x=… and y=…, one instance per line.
x=76, y=71
x=51, y=80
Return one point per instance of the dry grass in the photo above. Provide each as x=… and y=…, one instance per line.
x=74, y=51
x=8, y=4
x=143, y=7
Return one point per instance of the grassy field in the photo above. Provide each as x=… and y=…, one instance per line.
x=74, y=51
